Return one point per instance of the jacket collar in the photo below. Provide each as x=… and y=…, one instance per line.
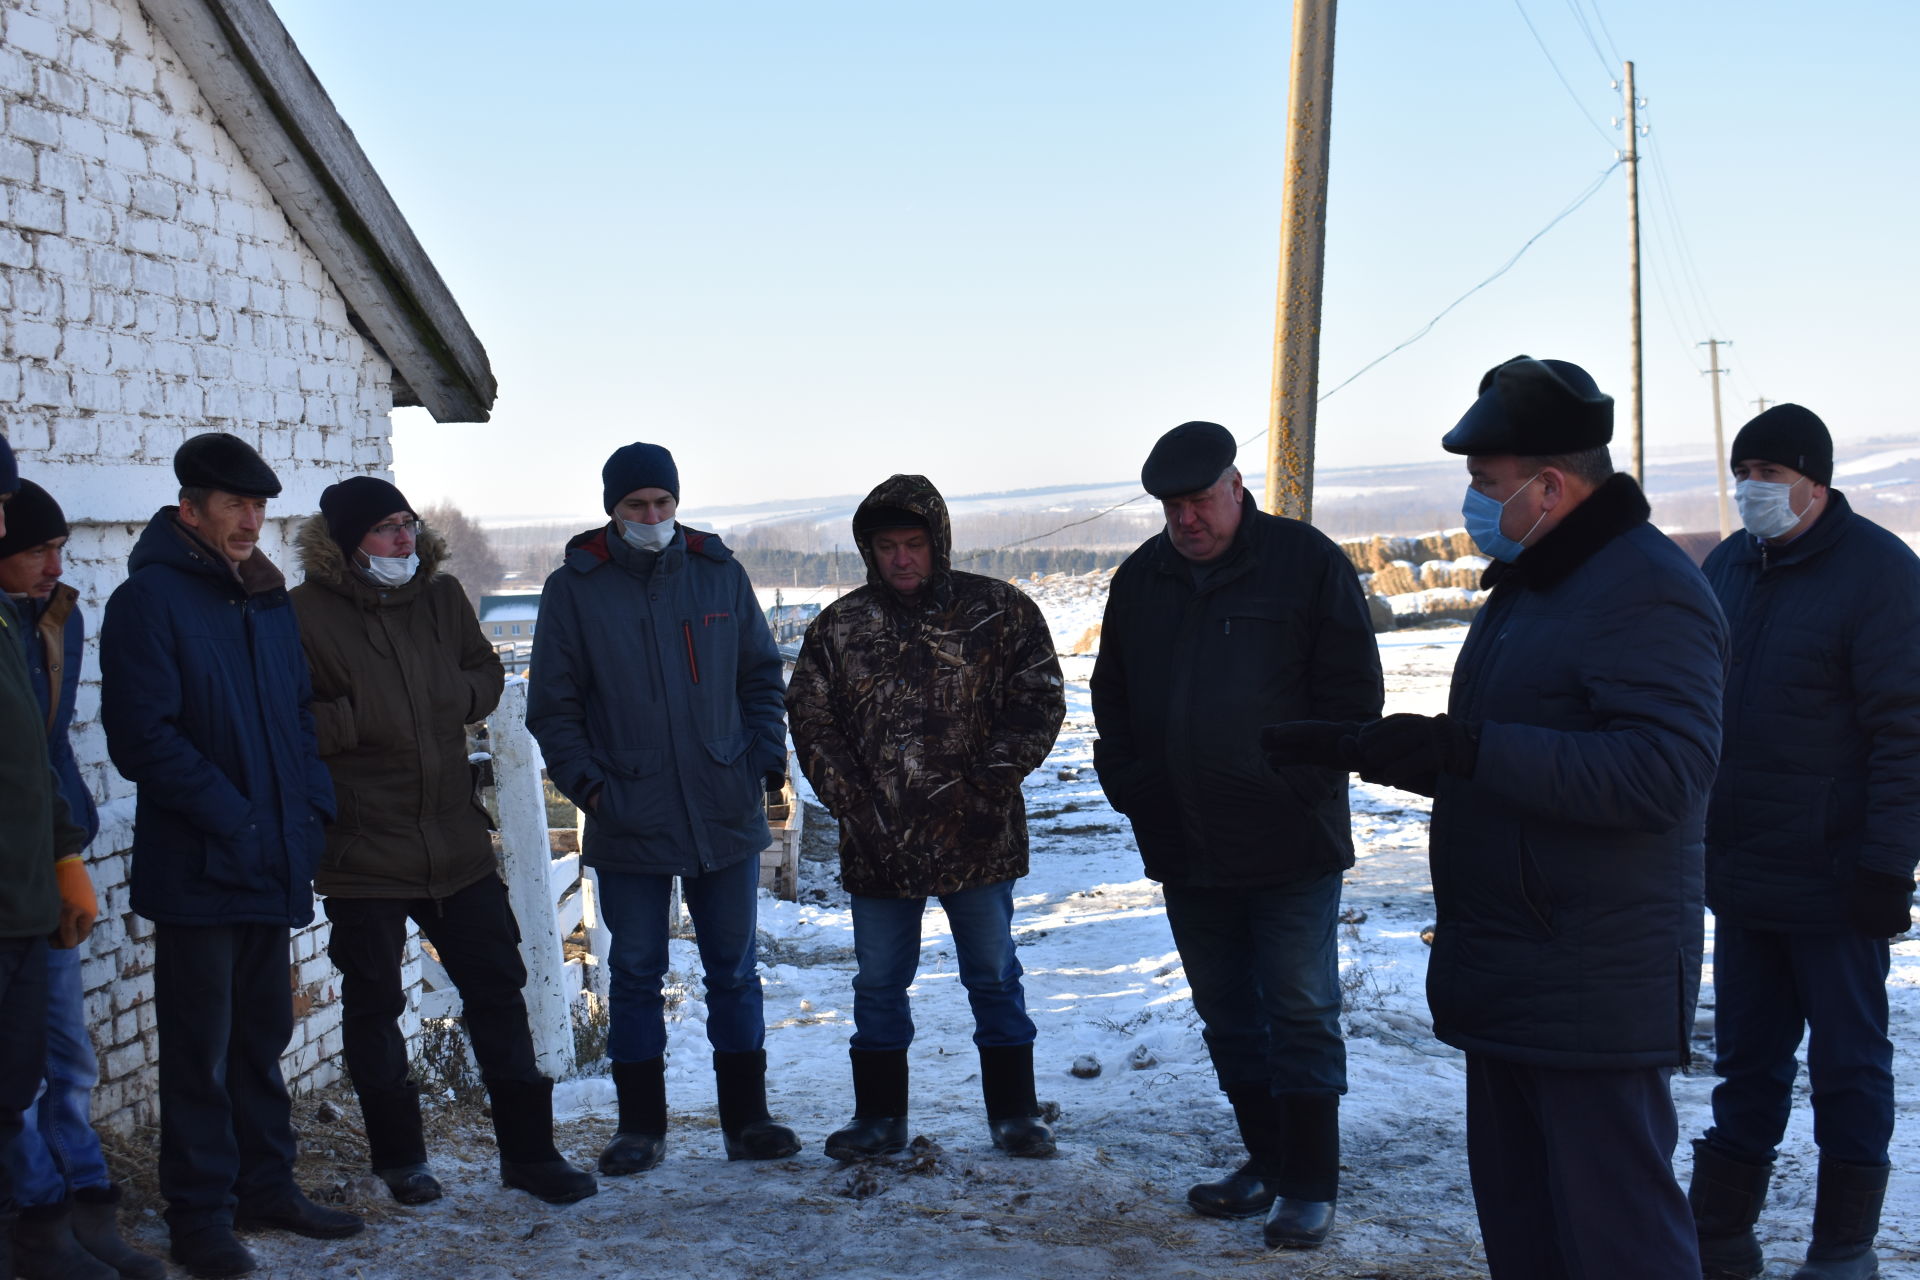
x=1609, y=511
x=1239, y=557
x=1826, y=531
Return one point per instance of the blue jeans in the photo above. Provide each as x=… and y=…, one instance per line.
x=722, y=904
x=1265, y=973
x=1769, y=989
x=57, y=1150
x=886, y=945
x=23, y=1041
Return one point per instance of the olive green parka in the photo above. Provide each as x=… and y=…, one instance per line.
x=398, y=674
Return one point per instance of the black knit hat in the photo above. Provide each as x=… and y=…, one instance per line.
x=1190, y=457
x=1786, y=434
x=358, y=503
x=638, y=466
x=1534, y=408
x=216, y=460
x=33, y=517
x=9, y=473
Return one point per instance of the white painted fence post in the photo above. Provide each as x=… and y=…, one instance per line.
x=527, y=859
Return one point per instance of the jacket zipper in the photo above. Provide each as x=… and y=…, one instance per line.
x=693, y=663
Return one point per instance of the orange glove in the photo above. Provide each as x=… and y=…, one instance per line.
x=78, y=907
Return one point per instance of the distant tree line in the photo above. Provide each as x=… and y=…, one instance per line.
x=772, y=567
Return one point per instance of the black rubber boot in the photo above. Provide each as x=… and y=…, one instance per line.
x=523, y=1129
x=44, y=1247
x=1013, y=1113
x=879, y=1124
x=751, y=1134
x=642, y=1136
x=292, y=1211
x=96, y=1225
x=1308, y=1182
x=1247, y=1192
x=396, y=1146
x=210, y=1253
x=1726, y=1196
x=1846, y=1217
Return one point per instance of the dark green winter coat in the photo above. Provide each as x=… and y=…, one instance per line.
x=398, y=674
x=34, y=826
x=916, y=720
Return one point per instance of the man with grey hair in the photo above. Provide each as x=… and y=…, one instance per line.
x=1229, y=619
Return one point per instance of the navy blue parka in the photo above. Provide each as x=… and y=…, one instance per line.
x=1567, y=869
x=656, y=685
x=204, y=696
x=1820, y=771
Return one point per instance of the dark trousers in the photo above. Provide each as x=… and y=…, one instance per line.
x=224, y=1011
x=479, y=944
x=1265, y=973
x=23, y=1041
x=1573, y=1173
x=1770, y=989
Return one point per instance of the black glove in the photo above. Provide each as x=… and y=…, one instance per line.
x=1402, y=750
x=773, y=781
x=1880, y=905
x=1325, y=744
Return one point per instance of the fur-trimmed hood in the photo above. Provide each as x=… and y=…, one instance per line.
x=324, y=563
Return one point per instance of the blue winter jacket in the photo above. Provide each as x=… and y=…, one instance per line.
x=204, y=696
x=53, y=639
x=657, y=699
x=1820, y=771
x=1567, y=869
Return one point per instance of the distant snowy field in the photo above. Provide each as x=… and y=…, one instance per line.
x=1103, y=981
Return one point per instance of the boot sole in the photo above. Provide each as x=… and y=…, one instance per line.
x=1231, y=1215
x=851, y=1154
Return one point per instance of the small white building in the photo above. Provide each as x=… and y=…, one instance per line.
x=191, y=239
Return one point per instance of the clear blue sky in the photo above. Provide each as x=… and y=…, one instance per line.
x=1008, y=244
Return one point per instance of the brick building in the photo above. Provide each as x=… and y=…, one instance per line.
x=191, y=239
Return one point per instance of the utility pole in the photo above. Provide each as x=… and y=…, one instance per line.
x=1303, y=259
x=1631, y=159
x=1760, y=405
x=1720, y=468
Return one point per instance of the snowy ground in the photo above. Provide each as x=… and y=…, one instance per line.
x=1103, y=980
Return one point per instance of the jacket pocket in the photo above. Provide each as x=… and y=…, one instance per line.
x=728, y=785
x=233, y=861
x=635, y=788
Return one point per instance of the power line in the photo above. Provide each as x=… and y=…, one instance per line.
x=1602, y=20
x=1564, y=83
x=1580, y=17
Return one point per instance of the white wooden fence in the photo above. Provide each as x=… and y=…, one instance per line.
x=559, y=891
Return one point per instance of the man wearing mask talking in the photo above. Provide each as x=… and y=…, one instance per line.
x=1810, y=846
x=658, y=703
x=1570, y=778
x=399, y=669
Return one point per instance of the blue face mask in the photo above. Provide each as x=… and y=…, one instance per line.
x=1482, y=515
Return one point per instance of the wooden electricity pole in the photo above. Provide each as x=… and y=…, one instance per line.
x=1303, y=256
x=1720, y=468
x=1631, y=159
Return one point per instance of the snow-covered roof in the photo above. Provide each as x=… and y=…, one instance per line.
x=524, y=607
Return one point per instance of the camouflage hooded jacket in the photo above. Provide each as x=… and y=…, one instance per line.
x=917, y=719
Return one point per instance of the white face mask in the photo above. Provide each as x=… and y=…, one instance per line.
x=648, y=537
x=1766, y=508
x=392, y=571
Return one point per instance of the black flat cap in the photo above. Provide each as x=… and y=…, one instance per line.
x=1190, y=457
x=217, y=460
x=1787, y=434
x=1536, y=408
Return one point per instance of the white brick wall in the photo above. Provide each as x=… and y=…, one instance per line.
x=150, y=288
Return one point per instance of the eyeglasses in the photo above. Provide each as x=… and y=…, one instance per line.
x=393, y=527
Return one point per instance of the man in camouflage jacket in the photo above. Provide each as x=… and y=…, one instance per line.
x=919, y=703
